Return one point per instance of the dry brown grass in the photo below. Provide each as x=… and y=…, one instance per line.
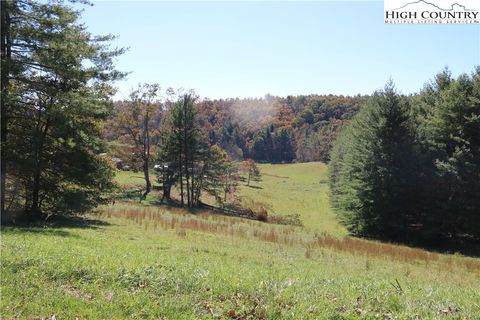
x=178, y=219
x=308, y=253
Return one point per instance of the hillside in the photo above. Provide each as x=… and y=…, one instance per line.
x=284, y=189
x=299, y=188
x=270, y=129
x=237, y=160
x=143, y=262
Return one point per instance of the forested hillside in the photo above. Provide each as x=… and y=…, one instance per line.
x=269, y=129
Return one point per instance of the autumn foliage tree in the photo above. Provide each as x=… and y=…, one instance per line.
x=276, y=129
x=229, y=176
x=250, y=168
x=138, y=124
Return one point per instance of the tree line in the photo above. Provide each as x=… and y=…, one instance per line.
x=408, y=167
x=270, y=129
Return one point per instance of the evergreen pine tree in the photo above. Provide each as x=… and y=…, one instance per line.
x=371, y=174
x=449, y=133
x=56, y=95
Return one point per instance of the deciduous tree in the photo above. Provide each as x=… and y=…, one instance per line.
x=139, y=125
x=250, y=168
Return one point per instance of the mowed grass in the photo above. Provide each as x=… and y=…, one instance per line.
x=140, y=261
x=299, y=188
x=163, y=263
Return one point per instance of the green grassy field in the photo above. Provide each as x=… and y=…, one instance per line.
x=138, y=261
x=284, y=189
x=300, y=188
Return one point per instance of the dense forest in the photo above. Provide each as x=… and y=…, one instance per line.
x=270, y=129
x=409, y=167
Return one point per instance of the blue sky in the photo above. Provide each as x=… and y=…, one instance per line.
x=249, y=49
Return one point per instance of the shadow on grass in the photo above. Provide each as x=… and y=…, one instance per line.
x=167, y=202
x=255, y=187
x=131, y=194
x=39, y=230
x=275, y=176
x=75, y=222
x=467, y=246
x=53, y=225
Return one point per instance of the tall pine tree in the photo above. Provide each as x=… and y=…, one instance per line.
x=57, y=92
x=449, y=134
x=371, y=174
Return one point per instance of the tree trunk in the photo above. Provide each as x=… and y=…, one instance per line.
x=35, y=207
x=167, y=185
x=146, y=156
x=192, y=185
x=187, y=177
x=148, y=185
x=186, y=154
x=198, y=191
x=166, y=191
x=5, y=55
x=180, y=177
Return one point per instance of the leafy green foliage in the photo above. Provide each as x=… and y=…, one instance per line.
x=412, y=165
x=370, y=174
x=57, y=96
x=189, y=162
x=449, y=124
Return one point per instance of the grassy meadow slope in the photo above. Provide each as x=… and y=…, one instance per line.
x=139, y=261
x=285, y=189
x=299, y=188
